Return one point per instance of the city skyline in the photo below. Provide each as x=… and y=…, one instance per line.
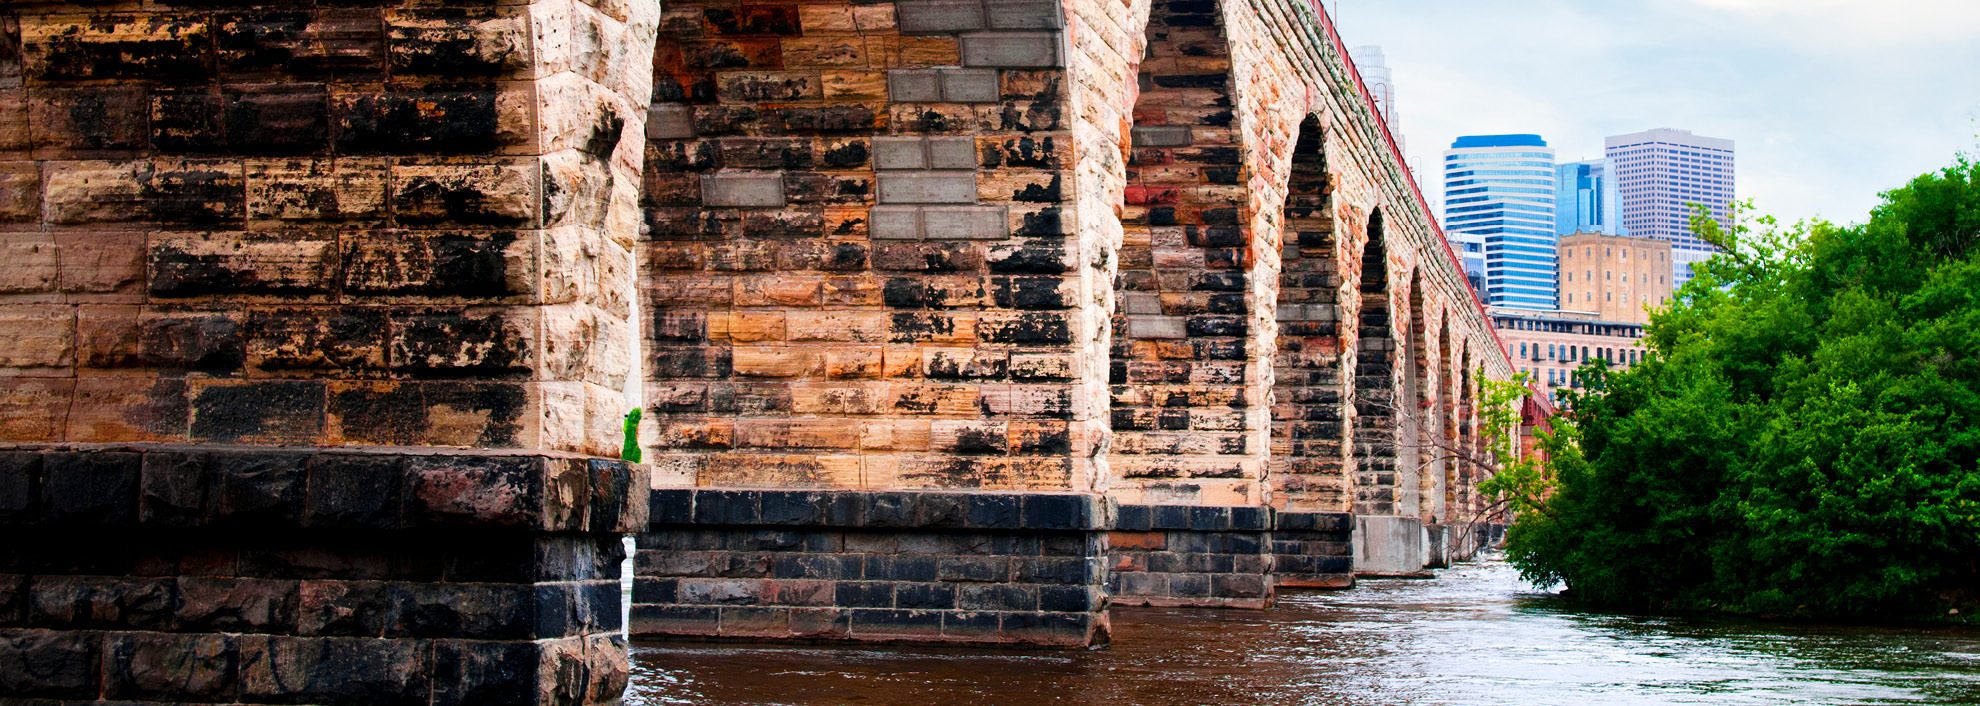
x=1791, y=82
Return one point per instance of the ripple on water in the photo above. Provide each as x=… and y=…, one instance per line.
x=1474, y=635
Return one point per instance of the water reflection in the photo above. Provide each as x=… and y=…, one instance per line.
x=1476, y=635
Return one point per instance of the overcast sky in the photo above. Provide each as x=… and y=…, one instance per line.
x=1828, y=101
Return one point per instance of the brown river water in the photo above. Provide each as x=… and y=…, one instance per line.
x=1475, y=634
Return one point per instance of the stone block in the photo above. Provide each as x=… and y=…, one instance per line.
x=354, y=491
x=49, y=663
x=895, y=223
x=914, y=86
x=333, y=670
x=743, y=189
x=1011, y=50
x=938, y=16
x=1024, y=14
x=164, y=666
x=969, y=85
x=1156, y=327
x=95, y=489
x=670, y=121
x=900, y=153
x=467, y=194
x=1162, y=136
x=927, y=187
x=965, y=223
x=476, y=491
x=951, y=153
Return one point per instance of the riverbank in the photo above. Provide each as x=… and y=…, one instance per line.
x=1473, y=635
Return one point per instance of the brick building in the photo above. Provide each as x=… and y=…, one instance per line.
x=1616, y=278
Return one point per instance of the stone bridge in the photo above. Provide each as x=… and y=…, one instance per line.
x=950, y=320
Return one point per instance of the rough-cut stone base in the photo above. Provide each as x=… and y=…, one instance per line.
x=271, y=576
x=1387, y=545
x=1313, y=549
x=1171, y=555
x=871, y=566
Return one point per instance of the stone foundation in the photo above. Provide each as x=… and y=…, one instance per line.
x=1387, y=545
x=150, y=575
x=1172, y=555
x=1313, y=549
x=921, y=567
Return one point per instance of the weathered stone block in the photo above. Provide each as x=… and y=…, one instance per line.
x=743, y=189
x=965, y=223
x=938, y=16
x=927, y=187
x=914, y=86
x=969, y=85
x=1012, y=49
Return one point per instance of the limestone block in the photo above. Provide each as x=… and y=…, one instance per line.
x=452, y=43
x=144, y=47
x=965, y=223
x=473, y=343
x=28, y=263
x=317, y=190
x=928, y=187
x=669, y=121
x=123, y=408
x=160, y=191
x=938, y=16
x=37, y=336
x=464, y=264
x=743, y=189
x=900, y=153
x=467, y=194
x=86, y=119
x=914, y=86
x=1024, y=14
x=208, y=264
x=1012, y=49
x=34, y=408
x=969, y=85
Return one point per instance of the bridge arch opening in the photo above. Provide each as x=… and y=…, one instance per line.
x=1309, y=437
x=1374, y=392
x=1178, y=378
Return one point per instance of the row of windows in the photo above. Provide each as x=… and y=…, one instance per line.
x=1570, y=353
x=1585, y=328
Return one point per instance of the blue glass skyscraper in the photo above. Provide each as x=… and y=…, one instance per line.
x=1586, y=200
x=1499, y=213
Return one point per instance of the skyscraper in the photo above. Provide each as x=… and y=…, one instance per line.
x=1660, y=175
x=1585, y=199
x=1499, y=214
x=1374, y=68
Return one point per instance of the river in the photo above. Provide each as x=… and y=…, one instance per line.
x=1475, y=634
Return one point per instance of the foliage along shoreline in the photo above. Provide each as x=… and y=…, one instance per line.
x=1803, y=440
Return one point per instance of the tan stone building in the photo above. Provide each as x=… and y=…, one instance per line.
x=1551, y=345
x=1614, y=277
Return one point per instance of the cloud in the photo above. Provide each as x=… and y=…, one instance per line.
x=1826, y=24
x=1829, y=101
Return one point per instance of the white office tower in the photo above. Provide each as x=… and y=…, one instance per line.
x=1660, y=174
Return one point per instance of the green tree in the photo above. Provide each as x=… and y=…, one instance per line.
x=1804, y=438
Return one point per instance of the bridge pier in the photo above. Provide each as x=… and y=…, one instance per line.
x=166, y=574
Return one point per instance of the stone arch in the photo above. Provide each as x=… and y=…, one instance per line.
x=1462, y=496
x=1309, y=433
x=1179, y=384
x=1425, y=425
x=1447, y=426
x=1374, y=391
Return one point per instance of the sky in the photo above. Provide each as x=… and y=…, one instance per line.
x=1829, y=102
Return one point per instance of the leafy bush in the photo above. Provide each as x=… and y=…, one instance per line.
x=1805, y=438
